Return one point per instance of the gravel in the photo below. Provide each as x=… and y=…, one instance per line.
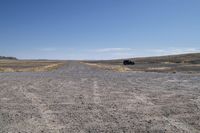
x=80, y=98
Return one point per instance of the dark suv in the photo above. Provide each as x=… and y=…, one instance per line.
x=128, y=62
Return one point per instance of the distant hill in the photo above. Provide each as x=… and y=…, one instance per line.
x=7, y=58
x=191, y=58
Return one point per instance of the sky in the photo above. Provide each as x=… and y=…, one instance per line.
x=98, y=29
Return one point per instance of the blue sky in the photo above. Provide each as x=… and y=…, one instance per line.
x=98, y=29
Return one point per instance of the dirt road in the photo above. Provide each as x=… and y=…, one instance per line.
x=80, y=98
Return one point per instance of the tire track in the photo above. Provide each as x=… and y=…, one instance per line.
x=47, y=115
x=96, y=98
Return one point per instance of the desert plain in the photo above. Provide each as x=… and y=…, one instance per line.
x=77, y=97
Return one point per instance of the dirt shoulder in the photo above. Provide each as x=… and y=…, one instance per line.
x=29, y=66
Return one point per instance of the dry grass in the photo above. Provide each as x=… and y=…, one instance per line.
x=158, y=68
x=117, y=68
x=28, y=66
x=121, y=68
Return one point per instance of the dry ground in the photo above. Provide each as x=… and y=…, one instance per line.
x=146, y=67
x=82, y=98
x=28, y=65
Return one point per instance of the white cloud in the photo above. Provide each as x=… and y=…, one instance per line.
x=112, y=50
x=116, y=53
x=174, y=51
x=110, y=53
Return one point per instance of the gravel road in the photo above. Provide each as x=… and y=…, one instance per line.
x=82, y=99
